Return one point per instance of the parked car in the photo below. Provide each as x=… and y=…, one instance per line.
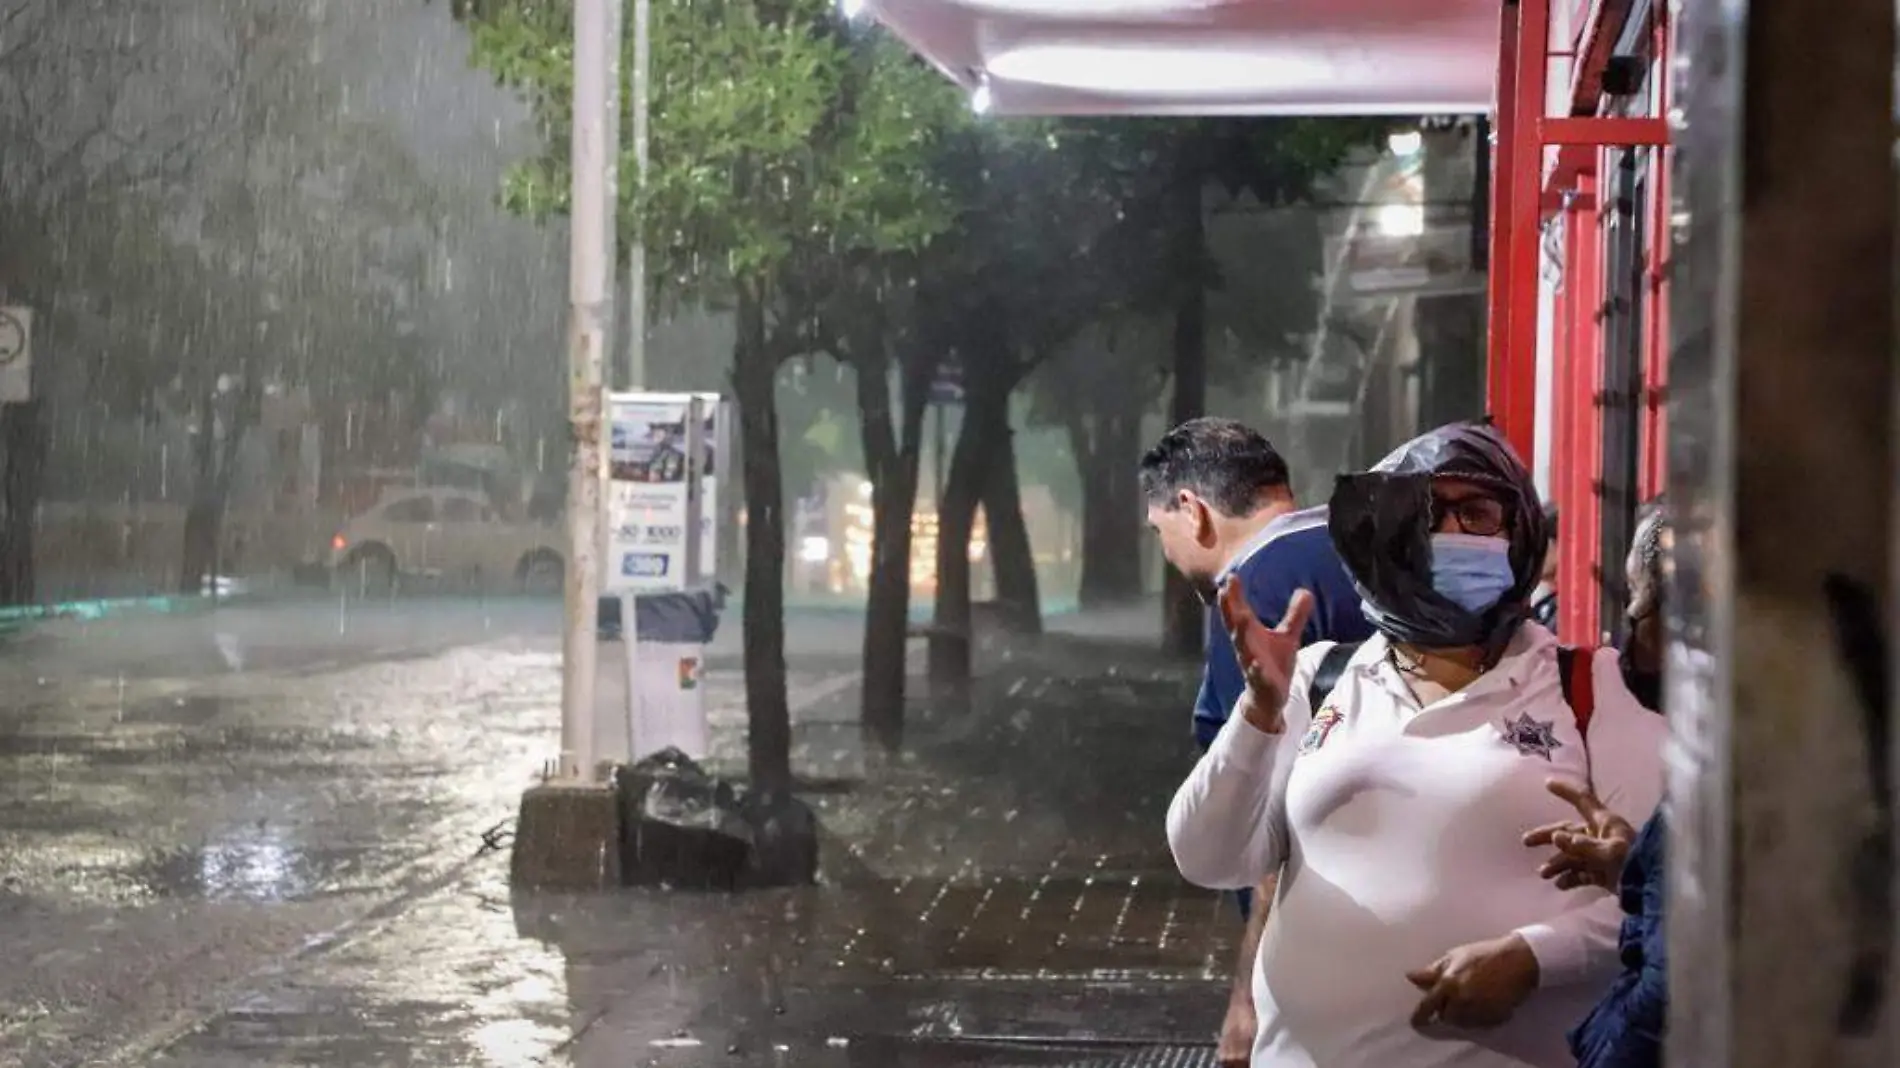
x=446, y=537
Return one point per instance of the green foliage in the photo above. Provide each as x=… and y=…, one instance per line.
x=777, y=137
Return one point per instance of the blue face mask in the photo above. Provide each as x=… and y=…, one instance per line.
x=1470, y=571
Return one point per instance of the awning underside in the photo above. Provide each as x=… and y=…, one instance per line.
x=1209, y=57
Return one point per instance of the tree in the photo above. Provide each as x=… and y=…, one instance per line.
x=784, y=151
x=1098, y=389
x=324, y=224
x=1029, y=272
x=68, y=156
x=1174, y=166
x=1101, y=387
x=244, y=237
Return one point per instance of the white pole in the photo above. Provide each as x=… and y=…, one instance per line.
x=589, y=317
x=635, y=374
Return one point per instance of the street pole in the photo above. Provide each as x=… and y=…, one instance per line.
x=633, y=376
x=590, y=316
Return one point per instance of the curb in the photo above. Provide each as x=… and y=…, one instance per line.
x=102, y=608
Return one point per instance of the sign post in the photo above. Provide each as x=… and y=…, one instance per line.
x=661, y=558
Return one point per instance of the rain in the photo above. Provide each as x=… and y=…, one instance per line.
x=284, y=544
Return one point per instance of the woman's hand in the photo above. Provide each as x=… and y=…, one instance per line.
x=1590, y=849
x=1266, y=654
x=1476, y=986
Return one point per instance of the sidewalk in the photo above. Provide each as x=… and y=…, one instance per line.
x=999, y=895
x=1002, y=895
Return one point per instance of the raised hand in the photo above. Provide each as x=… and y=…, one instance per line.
x=1266, y=654
x=1590, y=849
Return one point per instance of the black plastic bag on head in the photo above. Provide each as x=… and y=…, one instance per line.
x=1381, y=524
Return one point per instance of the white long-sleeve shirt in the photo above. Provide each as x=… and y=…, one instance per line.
x=1397, y=832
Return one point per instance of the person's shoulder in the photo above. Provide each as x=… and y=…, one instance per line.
x=1303, y=558
x=1298, y=540
x=1612, y=696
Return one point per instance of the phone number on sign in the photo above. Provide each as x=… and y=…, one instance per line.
x=644, y=565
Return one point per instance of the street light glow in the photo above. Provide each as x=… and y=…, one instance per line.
x=1405, y=143
x=980, y=100
x=1400, y=220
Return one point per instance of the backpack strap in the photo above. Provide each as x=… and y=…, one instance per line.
x=1575, y=674
x=1332, y=665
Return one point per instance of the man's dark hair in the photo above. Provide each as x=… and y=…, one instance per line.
x=1646, y=555
x=1225, y=463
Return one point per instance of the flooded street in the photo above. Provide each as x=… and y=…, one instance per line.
x=287, y=864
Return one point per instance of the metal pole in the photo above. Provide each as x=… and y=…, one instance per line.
x=633, y=376
x=589, y=317
x=695, y=490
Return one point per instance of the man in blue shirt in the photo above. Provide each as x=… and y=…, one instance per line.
x=1221, y=504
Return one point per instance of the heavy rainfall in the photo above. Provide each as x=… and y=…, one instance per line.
x=284, y=468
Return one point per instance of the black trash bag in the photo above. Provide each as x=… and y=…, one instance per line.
x=679, y=826
x=784, y=840
x=1381, y=523
x=686, y=617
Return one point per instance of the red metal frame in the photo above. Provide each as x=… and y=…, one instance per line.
x=1580, y=369
x=1499, y=361
x=1593, y=132
x=1515, y=402
x=1655, y=466
x=1523, y=194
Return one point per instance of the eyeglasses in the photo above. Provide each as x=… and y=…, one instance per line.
x=1476, y=514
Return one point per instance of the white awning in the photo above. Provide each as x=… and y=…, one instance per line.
x=1209, y=57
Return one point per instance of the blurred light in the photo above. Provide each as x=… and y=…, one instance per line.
x=1400, y=220
x=981, y=100
x=814, y=549
x=339, y=543
x=851, y=9
x=1406, y=143
x=864, y=489
x=1120, y=69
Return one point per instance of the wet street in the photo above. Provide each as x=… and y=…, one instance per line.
x=276, y=835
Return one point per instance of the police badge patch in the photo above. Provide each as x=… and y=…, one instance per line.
x=1531, y=737
x=1322, y=726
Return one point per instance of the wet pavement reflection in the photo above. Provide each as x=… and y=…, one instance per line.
x=286, y=868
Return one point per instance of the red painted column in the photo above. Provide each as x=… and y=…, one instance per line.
x=1515, y=403
x=1498, y=281
x=1655, y=459
x=1563, y=412
x=1588, y=460
x=1580, y=460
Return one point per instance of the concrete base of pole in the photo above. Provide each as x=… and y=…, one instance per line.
x=567, y=838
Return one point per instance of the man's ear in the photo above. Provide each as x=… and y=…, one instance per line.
x=1202, y=517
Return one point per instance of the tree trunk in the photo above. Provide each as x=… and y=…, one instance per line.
x=1106, y=463
x=202, y=517
x=1184, y=623
x=1011, y=554
x=23, y=453
x=950, y=665
x=768, y=713
x=891, y=454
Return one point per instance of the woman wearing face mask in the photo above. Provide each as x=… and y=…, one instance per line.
x=1392, y=784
